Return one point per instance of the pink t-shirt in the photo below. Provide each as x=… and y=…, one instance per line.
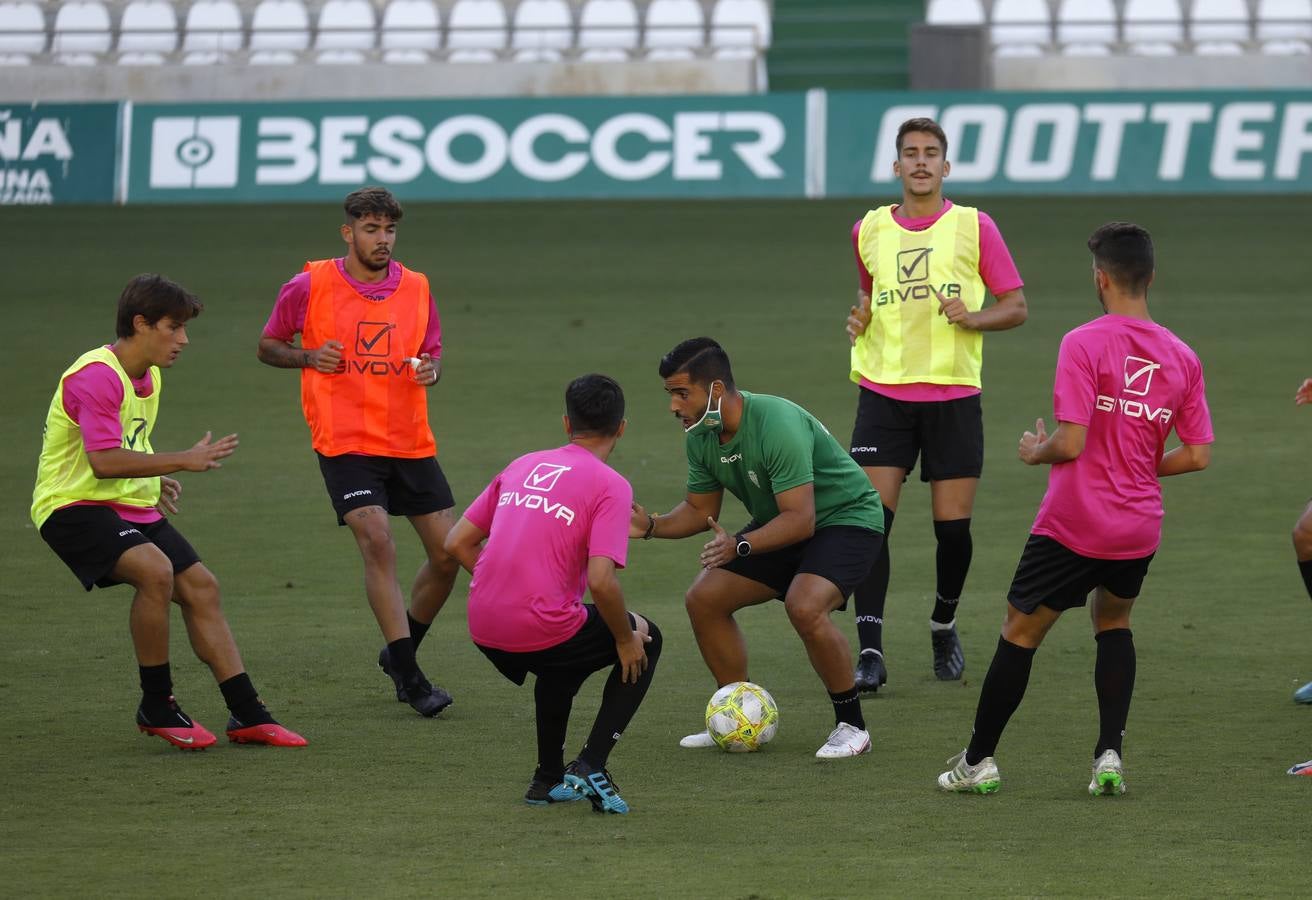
x=1129, y=381
x=92, y=398
x=288, y=316
x=546, y=515
x=996, y=269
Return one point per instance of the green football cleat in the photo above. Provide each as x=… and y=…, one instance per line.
x=963, y=778
x=1108, y=775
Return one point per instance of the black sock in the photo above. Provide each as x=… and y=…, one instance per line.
x=1004, y=687
x=401, y=653
x=553, y=696
x=872, y=594
x=952, y=562
x=847, y=708
x=1113, y=679
x=417, y=629
x=156, y=688
x=244, y=701
x=1305, y=566
x=619, y=701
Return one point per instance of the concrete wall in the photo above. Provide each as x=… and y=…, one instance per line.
x=169, y=83
x=1141, y=73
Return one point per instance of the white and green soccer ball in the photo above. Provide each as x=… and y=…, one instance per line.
x=742, y=717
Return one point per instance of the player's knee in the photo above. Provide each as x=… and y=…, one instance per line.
x=805, y=616
x=156, y=581
x=654, y=645
x=695, y=601
x=377, y=547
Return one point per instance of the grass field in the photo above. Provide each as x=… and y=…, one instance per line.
x=385, y=803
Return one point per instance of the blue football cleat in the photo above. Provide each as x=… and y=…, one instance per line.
x=597, y=786
x=1304, y=694
x=542, y=792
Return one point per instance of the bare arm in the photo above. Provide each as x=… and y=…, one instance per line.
x=688, y=518
x=609, y=599
x=1183, y=459
x=119, y=463
x=1063, y=445
x=282, y=355
x=1008, y=311
x=795, y=522
x=465, y=542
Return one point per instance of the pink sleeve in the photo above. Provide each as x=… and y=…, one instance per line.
x=93, y=396
x=996, y=266
x=862, y=273
x=1193, y=423
x=288, y=316
x=480, y=512
x=1076, y=387
x=609, y=535
x=432, y=344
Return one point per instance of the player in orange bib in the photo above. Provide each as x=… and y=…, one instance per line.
x=371, y=346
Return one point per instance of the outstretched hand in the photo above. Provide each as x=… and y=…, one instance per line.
x=720, y=549
x=1030, y=442
x=1304, y=393
x=205, y=455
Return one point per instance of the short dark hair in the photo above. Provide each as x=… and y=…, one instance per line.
x=371, y=201
x=1125, y=252
x=154, y=297
x=929, y=126
x=594, y=404
x=702, y=358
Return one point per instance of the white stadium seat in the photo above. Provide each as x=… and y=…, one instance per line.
x=345, y=25
x=476, y=25
x=608, y=30
x=1153, y=27
x=147, y=27
x=542, y=25
x=81, y=31
x=955, y=12
x=410, y=30
x=740, y=24
x=22, y=31
x=1020, y=24
x=674, y=29
x=1285, y=25
x=1219, y=26
x=280, y=31
x=213, y=28
x=1086, y=27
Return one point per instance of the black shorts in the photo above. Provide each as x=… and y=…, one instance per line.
x=1052, y=574
x=842, y=554
x=90, y=539
x=590, y=648
x=947, y=435
x=403, y=487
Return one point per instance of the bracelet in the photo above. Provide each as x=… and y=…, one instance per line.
x=651, y=528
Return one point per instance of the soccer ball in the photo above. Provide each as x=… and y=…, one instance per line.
x=741, y=717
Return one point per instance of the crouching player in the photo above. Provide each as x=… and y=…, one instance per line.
x=556, y=523
x=101, y=492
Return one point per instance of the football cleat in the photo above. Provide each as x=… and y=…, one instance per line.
x=597, y=786
x=176, y=728
x=545, y=791
x=1108, y=775
x=870, y=672
x=697, y=741
x=385, y=663
x=949, y=658
x=424, y=698
x=845, y=740
x=1304, y=694
x=1303, y=768
x=963, y=778
x=270, y=733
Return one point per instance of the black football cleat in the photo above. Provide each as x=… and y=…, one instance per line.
x=949, y=658
x=870, y=672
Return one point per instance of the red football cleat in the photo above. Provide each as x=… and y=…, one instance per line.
x=1303, y=768
x=178, y=729
x=271, y=733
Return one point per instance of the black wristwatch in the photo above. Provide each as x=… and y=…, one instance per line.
x=744, y=546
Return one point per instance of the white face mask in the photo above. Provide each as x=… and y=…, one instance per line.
x=711, y=421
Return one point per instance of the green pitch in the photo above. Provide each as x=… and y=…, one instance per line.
x=386, y=803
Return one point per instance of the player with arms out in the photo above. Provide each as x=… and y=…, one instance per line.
x=552, y=525
x=816, y=527
x=1123, y=383
x=924, y=268
x=371, y=346
x=101, y=492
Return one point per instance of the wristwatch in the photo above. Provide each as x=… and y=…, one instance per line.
x=744, y=546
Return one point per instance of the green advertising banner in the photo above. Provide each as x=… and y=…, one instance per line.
x=58, y=153
x=1063, y=143
x=750, y=146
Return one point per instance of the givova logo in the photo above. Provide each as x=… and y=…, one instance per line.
x=194, y=151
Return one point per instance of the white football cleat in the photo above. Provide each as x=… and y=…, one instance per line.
x=698, y=741
x=1108, y=775
x=845, y=740
x=963, y=778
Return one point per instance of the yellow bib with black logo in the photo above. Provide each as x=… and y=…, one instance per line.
x=64, y=474
x=907, y=340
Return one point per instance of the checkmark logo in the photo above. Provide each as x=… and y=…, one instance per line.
x=544, y=476
x=373, y=338
x=1139, y=375
x=913, y=265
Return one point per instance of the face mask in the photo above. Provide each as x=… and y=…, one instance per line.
x=711, y=421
